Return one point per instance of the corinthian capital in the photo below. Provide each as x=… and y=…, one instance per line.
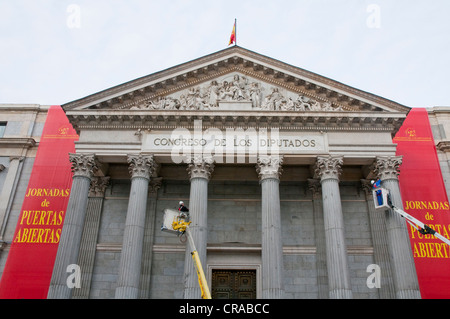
x=269, y=167
x=367, y=186
x=388, y=167
x=83, y=164
x=200, y=167
x=315, y=187
x=154, y=185
x=329, y=167
x=141, y=165
x=98, y=186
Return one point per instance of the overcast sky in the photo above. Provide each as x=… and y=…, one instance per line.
x=57, y=51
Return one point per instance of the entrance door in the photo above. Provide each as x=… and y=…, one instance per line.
x=233, y=284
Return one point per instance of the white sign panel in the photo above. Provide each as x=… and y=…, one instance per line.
x=230, y=143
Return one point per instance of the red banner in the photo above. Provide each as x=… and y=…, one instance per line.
x=424, y=197
x=29, y=266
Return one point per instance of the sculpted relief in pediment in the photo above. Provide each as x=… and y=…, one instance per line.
x=235, y=92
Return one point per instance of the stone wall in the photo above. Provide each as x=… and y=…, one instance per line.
x=234, y=220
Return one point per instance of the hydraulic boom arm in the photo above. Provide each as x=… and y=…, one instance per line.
x=198, y=266
x=382, y=201
x=183, y=227
x=421, y=227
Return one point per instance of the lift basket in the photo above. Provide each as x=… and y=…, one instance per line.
x=170, y=215
x=380, y=198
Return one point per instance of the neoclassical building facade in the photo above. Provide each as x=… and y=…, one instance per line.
x=274, y=163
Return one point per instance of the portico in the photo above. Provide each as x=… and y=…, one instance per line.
x=270, y=160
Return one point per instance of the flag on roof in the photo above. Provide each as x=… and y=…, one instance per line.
x=233, y=34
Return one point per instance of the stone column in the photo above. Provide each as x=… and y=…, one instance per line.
x=88, y=247
x=141, y=168
x=147, y=252
x=199, y=170
x=329, y=169
x=380, y=243
x=402, y=260
x=269, y=171
x=319, y=234
x=83, y=167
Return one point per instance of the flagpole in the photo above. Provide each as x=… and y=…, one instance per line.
x=235, y=32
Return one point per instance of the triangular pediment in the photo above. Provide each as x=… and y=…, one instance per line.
x=234, y=90
x=235, y=79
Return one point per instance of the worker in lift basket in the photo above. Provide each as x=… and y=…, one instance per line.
x=184, y=211
x=376, y=185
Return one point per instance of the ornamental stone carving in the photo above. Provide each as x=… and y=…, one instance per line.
x=83, y=165
x=269, y=167
x=367, y=187
x=141, y=165
x=98, y=186
x=154, y=185
x=329, y=167
x=315, y=187
x=388, y=167
x=200, y=167
x=235, y=88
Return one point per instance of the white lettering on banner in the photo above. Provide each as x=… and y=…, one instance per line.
x=232, y=143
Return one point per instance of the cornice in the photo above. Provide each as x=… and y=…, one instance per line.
x=320, y=83
x=24, y=107
x=443, y=146
x=17, y=142
x=175, y=73
x=235, y=59
x=295, y=121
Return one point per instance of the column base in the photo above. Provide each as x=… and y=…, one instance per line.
x=57, y=291
x=275, y=293
x=127, y=293
x=341, y=294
